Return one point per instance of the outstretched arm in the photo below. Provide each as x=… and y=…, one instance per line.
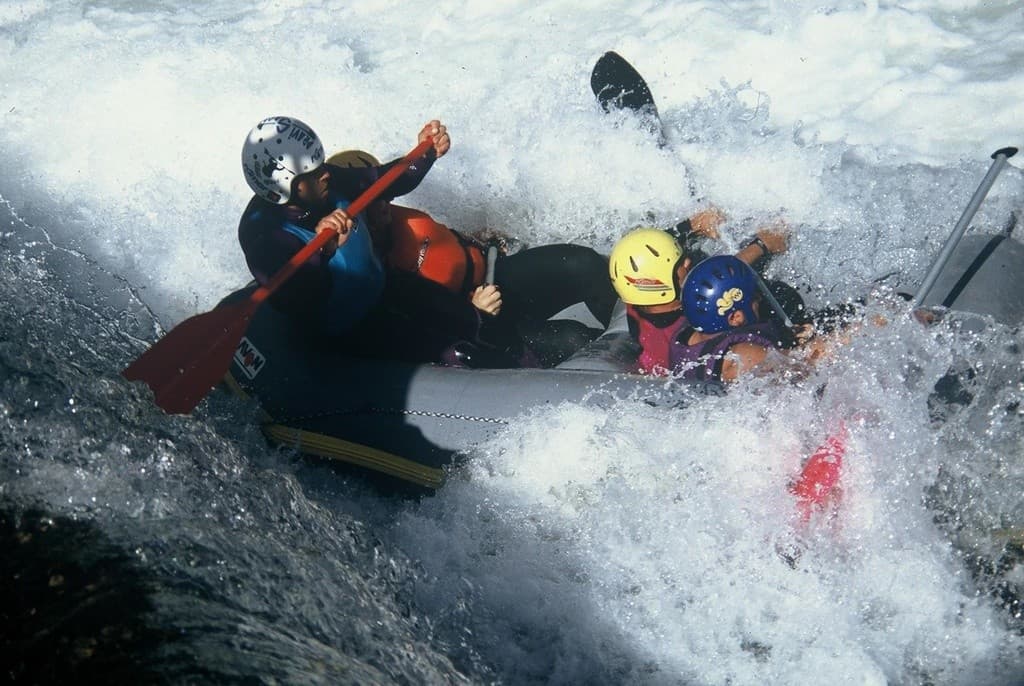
x=741, y=359
x=769, y=240
x=352, y=181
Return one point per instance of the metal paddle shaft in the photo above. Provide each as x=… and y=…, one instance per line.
x=821, y=472
x=492, y=257
x=773, y=301
x=999, y=157
x=194, y=356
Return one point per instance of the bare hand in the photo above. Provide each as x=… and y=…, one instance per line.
x=803, y=333
x=487, y=299
x=338, y=222
x=492, y=237
x=776, y=237
x=706, y=222
x=440, y=134
x=818, y=349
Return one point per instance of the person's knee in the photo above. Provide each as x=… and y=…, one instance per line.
x=586, y=263
x=591, y=272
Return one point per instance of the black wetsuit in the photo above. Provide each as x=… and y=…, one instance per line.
x=538, y=283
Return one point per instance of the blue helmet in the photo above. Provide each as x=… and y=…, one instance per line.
x=716, y=288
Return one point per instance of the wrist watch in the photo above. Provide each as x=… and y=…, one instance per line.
x=756, y=240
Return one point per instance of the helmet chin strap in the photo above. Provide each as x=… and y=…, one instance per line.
x=307, y=207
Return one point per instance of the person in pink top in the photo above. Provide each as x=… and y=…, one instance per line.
x=647, y=267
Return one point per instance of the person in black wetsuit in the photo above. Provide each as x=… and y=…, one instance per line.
x=343, y=294
x=530, y=285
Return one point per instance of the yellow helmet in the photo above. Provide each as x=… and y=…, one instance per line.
x=353, y=158
x=643, y=265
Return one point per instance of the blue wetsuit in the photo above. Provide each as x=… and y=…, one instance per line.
x=339, y=291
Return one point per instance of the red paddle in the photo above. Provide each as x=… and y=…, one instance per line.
x=194, y=356
x=816, y=490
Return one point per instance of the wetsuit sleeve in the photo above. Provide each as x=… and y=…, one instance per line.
x=412, y=176
x=267, y=248
x=350, y=182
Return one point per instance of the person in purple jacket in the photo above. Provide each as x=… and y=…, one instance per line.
x=723, y=336
x=343, y=292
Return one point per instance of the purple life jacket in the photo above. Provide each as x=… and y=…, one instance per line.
x=703, y=361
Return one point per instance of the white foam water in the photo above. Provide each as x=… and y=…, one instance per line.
x=636, y=545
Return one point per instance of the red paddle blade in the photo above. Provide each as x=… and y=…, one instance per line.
x=193, y=357
x=816, y=488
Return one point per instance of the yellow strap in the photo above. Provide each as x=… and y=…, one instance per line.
x=345, y=451
x=355, y=453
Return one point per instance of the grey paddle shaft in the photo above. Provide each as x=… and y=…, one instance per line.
x=773, y=302
x=492, y=256
x=999, y=157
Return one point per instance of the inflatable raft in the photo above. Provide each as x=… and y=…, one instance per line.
x=409, y=421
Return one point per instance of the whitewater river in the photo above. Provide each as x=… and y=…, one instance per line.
x=636, y=545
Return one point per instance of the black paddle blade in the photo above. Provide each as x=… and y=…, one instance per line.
x=183, y=366
x=617, y=85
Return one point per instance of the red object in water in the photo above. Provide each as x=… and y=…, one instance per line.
x=816, y=490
